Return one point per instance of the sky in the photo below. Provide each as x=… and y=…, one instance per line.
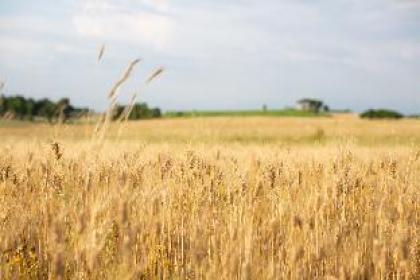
x=237, y=54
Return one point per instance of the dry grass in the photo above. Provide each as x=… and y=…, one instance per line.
x=101, y=52
x=154, y=75
x=126, y=75
x=214, y=198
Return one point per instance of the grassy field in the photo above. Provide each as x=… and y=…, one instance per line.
x=211, y=198
x=244, y=113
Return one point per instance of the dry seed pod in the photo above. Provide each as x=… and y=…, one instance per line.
x=101, y=52
x=56, y=150
x=125, y=76
x=155, y=74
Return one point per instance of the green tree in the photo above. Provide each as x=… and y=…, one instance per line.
x=46, y=109
x=156, y=113
x=3, y=105
x=64, y=109
x=30, y=109
x=17, y=105
x=312, y=105
x=381, y=114
x=138, y=111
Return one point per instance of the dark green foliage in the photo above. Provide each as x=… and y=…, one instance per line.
x=381, y=114
x=65, y=109
x=46, y=108
x=139, y=111
x=17, y=105
x=29, y=109
x=23, y=108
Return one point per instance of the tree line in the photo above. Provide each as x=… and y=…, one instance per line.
x=318, y=106
x=20, y=108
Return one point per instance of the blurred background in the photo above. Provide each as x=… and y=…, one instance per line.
x=217, y=54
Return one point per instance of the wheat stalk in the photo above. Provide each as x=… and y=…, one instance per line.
x=155, y=74
x=129, y=108
x=214, y=207
x=101, y=52
x=104, y=122
x=125, y=76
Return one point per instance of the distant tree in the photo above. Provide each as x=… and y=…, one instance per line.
x=30, y=109
x=27, y=108
x=46, y=108
x=312, y=105
x=156, y=113
x=17, y=105
x=64, y=109
x=138, y=111
x=117, y=112
x=264, y=107
x=381, y=114
x=3, y=105
x=142, y=111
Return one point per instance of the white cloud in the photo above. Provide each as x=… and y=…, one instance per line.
x=240, y=50
x=107, y=21
x=24, y=48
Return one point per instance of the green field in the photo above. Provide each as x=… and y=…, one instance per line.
x=243, y=113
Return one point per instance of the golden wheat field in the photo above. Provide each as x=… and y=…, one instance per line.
x=211, y=198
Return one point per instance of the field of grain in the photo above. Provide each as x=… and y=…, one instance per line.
x=211, y=198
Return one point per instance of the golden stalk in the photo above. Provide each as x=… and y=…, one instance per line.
x=125, y=76
x=101, y=52
x=155, y=74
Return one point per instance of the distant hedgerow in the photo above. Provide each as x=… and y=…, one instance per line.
x=381, y=114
